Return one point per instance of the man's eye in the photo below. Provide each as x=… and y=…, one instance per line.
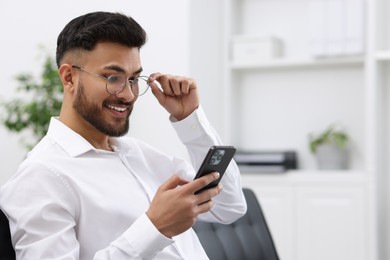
x=115, y=78
x=133, y=80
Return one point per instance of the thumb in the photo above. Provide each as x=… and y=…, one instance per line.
x=172, y=183
x=157, y=92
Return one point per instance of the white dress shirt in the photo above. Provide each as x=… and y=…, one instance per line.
x=69, y=200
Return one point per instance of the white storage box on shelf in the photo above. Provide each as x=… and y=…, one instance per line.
x=255, y=48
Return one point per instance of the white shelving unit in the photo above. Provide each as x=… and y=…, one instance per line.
x=310, y=206
x=275, y=104
x=312, y=214
x=315, y=216
x=300, y=63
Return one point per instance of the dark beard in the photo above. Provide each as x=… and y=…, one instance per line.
x=91, y=113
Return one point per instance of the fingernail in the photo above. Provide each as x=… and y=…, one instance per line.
x=216, y=175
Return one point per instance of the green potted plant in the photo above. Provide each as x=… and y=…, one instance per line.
x=330, y=148
x=40, y=100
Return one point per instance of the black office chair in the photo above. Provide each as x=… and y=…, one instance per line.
x=6, y=250
x=246, y=239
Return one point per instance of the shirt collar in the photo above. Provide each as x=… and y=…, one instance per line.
x=73, y=143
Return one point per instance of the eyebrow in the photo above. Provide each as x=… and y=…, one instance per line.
x=121, y=70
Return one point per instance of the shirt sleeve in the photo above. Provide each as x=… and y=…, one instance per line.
x=198, y=135
x=40, y=212
x=135, y=244
x=43, y=209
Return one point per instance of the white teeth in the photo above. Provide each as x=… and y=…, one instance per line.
x=119, y=109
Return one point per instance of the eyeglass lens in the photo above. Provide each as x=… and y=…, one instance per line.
x=117, y=82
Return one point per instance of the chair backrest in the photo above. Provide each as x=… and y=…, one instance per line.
x=6, y=250
x=246, y=239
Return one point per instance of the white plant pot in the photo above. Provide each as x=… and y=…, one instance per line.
x=331, y=157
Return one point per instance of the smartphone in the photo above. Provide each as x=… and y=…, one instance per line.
x=216, y=160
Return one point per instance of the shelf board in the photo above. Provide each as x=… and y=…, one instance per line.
x=304, y=176
x=383, y=55
x=298, y=63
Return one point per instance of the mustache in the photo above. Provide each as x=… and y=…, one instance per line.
x=117, y=102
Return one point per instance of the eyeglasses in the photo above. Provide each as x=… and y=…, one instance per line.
x=115, y=83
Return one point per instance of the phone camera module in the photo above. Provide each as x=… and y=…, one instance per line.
x=216, y=158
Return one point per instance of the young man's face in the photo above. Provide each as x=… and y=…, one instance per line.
x=108, y=113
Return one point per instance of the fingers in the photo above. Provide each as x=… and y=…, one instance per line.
x=172, y=85
x=201, y=182
x=205, y=207
x=178, y=95
x=175, y=207
x=192, y=187
x=172, y=183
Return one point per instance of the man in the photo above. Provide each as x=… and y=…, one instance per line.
x=84, y=192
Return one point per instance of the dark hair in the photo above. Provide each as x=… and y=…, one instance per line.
x=85, y=31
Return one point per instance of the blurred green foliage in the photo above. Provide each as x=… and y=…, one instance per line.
x=329, y=136
x=40, y=100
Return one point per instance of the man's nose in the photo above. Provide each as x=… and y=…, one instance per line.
x=127, y=93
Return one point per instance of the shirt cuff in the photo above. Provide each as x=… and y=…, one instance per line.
x=193, y=126
x=144, y=238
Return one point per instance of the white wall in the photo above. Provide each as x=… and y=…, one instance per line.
x=206, y=57
x=24, y=25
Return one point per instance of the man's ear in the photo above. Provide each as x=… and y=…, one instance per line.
x=67, y=77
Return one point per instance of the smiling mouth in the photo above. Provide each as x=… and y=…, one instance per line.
x=116, y=108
